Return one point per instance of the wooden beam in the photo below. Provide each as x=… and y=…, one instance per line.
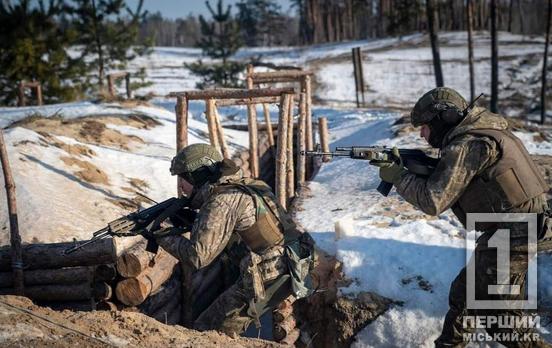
x=268, y=125
x=220, y=132
x=15, y=239
x=232, y=93
x=253, y=140
x=324, y=137
x=280, y=74
x=301, y=160
x=210, y=107
x=281, y=150
x=248, y=101
x=290, y=173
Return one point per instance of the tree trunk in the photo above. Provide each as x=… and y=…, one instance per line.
x=494, y=59
x=510, y=13
x=520, y=11
x=61, y=276
x=469, y=11
x=50, y=256
x=434, y=43
x=544, y=64
x=14, y=255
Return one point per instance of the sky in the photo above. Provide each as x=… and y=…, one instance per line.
x=181, y=8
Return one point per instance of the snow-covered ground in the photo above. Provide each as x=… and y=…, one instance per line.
x=386, y=245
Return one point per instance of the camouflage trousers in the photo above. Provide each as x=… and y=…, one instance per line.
x=231, y=312
x=454, y=327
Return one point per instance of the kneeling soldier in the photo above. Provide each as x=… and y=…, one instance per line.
x=241, y=218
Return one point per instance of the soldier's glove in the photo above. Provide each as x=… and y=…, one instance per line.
x=391, y=171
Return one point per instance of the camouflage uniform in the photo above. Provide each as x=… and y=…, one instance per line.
x=465, y=156
x=223, y=216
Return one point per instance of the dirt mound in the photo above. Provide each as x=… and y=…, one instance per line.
x=88, y=172
x=23, y=324
x=91, y=130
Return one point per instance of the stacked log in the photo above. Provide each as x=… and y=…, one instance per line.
x=285, y=329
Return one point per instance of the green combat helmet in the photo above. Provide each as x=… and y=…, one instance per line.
x=196, y=163
x=434, y=102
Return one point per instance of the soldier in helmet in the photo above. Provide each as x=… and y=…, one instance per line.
x=483, y=168
x=241, y=219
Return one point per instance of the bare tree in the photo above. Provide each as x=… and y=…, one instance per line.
x=431, y=21
x=469, y=12
x=494, y=59
x=544, y=63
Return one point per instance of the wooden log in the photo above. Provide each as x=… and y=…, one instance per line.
x=134, y=261
x=54, y=292
x=253, y=139
x=16, y=253
x=159, y=298
x=248, y=77
x=220, y=133
x=284, y=328
x=290, y=173
x=133, y=291
x=232, y=93
x=102, y=291
x=50, y=256
x=127, y=86
x=306, y=88
x=281, y=150
x=324, y=137
x=181, y=110
x=295, y=74
x=39, y=95
x=61, y=276
x=268, y=125
x=247, y=101
x=108, y=306
x=301, y=160
x=21, y=94
x=105, y=273
x=210, y=106
x=284, y=310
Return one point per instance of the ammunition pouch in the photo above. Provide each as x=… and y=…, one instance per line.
x=300, y=259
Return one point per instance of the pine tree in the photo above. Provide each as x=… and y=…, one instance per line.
x=108, y=32
x=220, y=40
x=261, y=21
x=34, y=46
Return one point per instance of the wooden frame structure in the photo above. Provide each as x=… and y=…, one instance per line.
x=227, y=97
x=113, y=77
x=305, y=134
x=21, y=100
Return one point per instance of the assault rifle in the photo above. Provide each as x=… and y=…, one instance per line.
x=415, y=160
x=139, y=222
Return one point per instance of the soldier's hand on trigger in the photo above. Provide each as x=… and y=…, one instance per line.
x=392, y=170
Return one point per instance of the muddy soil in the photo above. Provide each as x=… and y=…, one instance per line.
x=23, y=324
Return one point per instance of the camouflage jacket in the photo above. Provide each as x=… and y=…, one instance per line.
x=220, y=216
x=463, y=157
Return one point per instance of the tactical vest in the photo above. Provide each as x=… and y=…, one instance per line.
x=273, y=224
x=506, y=185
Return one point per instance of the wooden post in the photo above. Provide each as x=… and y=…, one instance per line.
x=181, y=110
x=494, y=59
x=15, y=238
x=301, y=160
x=268, y=122
x=469, y=11
x=281, y=151
x=39, y=94
x=220, y=132
x=21, y=94
x=210, y=105
x=249, y=77
x=253, y=140
x=290, y=180
x=110, y=85
x=308, y=109
x=545, y=63
x=359, y=75
x=324, y=137
x=127, y=86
